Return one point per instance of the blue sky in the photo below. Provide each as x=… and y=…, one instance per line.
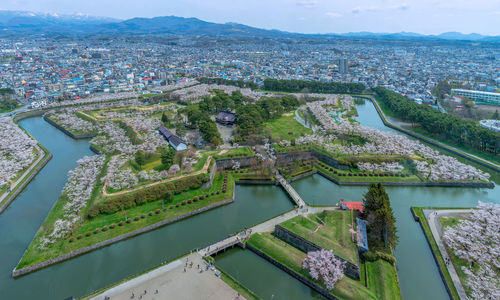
x=307, y=16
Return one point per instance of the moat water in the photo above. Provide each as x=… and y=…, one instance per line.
x=418, y=274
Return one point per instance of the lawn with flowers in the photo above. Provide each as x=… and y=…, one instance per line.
x=285, y=128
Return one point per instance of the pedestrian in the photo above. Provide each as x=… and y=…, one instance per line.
x=184, y=270
x=145, y=292
x=156, y=292
x=198, y=266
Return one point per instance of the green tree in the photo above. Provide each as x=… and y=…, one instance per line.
x=167, y=157
x=380, y=217
x=495, y=115
x=139, y=158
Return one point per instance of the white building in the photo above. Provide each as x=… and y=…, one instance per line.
x=479, y=97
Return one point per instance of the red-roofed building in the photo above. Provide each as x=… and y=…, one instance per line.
x=352, y=205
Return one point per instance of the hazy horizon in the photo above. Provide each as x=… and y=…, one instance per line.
x=301, y=16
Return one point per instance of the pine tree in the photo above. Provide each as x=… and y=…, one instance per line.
x=379, y=216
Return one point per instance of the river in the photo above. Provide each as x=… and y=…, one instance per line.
x=18, y=224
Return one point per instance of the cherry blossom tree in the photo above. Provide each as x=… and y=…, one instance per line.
x=476, y=239
x=323, y=265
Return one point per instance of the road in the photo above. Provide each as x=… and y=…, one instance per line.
x=437, y=231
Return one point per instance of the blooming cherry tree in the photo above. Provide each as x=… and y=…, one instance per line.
x=323, y=265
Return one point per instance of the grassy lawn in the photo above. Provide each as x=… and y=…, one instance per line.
x=291, y=257
x=286, y=127
x=441, y=264
x=35, y=255
x=382, y=279
x=237, y=152
x=329, y=230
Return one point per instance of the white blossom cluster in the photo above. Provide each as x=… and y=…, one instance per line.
x=392, y=167
x=118, y=178
x=70, y=121
x=201, y=90
x=78, y=190
x=438, y=167
x=476, y=239
x=17, y=150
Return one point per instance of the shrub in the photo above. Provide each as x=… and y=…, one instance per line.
x=202, y=197
x=218, y=192
x=183, y=202
x=79, y=236
x=88, y=233
x=387, y=257
x=150, y=213
x=195, y=198
x=224, y=190
x=112, y=226
x=189, y=201
x=158, y=211
x=105, y=228
x=71, y=239
x=129, y=220
x=369, y=256
x=136, y=218
x=97, y=230
x=213, y=193
x=177, y=205
x=171, y=207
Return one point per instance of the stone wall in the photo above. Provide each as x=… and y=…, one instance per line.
x=67, y=132
x=299, y=277
x=304, y=245
x=24, y=271
x=227, y=163
x=286, y=157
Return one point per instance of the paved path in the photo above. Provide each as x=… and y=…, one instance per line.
x=436, y=230
x=291, y=191
x=437, y=142
x=173, y=283
x=13, y=186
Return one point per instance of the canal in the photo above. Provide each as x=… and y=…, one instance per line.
x=253, y=204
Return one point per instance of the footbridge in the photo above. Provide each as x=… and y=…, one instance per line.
x=225, y=243
x=291, y=191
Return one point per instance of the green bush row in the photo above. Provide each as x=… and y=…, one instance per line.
x=157, y=192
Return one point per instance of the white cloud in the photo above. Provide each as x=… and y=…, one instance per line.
x=307, y=3
x=403, y=6
x=333, y=14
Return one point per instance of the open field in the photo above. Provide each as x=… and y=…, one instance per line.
x=329, y=230
x=286, y=128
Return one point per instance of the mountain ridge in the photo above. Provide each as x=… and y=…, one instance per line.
x=26, y=22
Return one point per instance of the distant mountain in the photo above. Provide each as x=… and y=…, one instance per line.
x=24, y=22
x=30, y=22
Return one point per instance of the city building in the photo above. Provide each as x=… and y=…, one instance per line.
x=490, y=124
x=172, y=139
x=479, y=97
x=343, y=66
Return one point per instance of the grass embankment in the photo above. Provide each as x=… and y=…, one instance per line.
x=236, y=152
x=286, y=128
x=292, y=258
x=34, y=254
x=75, y=133
x=4, y=188
x=329, y=230
x=437, y=254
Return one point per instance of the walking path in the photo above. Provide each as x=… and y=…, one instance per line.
x=262, y=227
x=13, y=186
x=445, y=146
x=179, y=280
x=291, y=191
x=203, y=170
x=437, y=231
